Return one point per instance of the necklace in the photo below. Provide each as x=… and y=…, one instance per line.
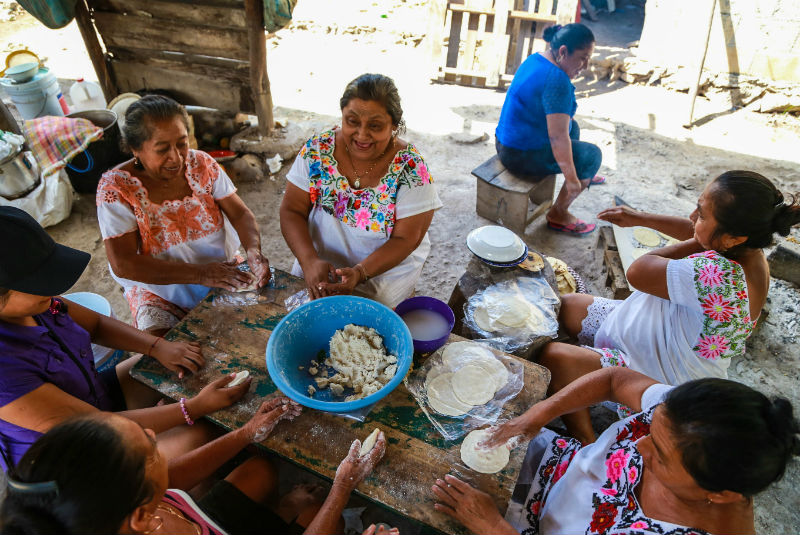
x=357, y=183
x=169, y=509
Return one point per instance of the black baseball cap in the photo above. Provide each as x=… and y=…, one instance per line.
x=31, y=262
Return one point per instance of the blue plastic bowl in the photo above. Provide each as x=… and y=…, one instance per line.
x=434, y=305
x=308, y=329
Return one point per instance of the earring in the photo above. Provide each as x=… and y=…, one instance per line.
x=136, y=161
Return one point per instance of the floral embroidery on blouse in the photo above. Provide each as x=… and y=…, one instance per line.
x=722, y=291
x=369, y=209
x=559, y=455
x=615, y=507
x=172, y=222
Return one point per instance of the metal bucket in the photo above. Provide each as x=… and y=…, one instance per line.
x=19, y=175
x=86, y=168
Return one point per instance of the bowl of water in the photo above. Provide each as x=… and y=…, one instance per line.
x=429, y=320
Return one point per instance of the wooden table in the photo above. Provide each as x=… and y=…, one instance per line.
x=233, y=330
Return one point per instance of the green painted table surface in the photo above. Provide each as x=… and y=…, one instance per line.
x=233, y=330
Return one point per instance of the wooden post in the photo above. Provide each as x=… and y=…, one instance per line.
x=693, y=92
x=96, y=54
x=437, y=10
x=259, y=81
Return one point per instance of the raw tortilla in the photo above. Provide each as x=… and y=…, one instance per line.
x=239, y=378
x=472, y=385
x=647, y=237
x=480, y=460
x=498, y=311
x=441, y=397
x=639, y=251
x=368, y=443
x=533, y=263
x=472, y=353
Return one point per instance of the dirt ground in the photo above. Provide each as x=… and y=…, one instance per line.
x=648, y=158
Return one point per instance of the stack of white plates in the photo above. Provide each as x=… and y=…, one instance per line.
x=497, y=246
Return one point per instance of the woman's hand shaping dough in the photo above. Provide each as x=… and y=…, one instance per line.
x=348, y=280
x=259, y=266
x=180, y=357
x=317, y=274
x=267, y=417
x=224, y=275
x=216, y=395
x=353, y=469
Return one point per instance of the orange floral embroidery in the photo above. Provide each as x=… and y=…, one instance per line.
x=162, y=226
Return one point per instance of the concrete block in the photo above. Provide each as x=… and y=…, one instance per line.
x=784, y=261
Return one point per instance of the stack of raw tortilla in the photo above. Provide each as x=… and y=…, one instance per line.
x=470, y=375
x=500, y=311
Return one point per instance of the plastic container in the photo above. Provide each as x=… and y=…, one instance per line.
x=39, y=97
x=104, y=357
x=86, y=95
x=308, y=329
x=434, y=305
x=19, y=174
x=86, y=168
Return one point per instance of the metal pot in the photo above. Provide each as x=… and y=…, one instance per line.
x=19, y=175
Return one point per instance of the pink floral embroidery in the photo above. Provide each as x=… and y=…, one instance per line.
x=561, y=443
x=639, y=525
x=718, y=308
x=632, y=473
x=711, y=347
x=609, y=492
x=616, y=464
x=710, y=275
x=369, y=209
x=560, y=470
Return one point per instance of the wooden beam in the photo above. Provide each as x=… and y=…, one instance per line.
x=178, y=36
x=96, y=54
x=259, y=81
x=196, y=13
x=534, y=17
x=434, y=36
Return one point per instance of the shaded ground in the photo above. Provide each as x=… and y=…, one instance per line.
x=648, y=157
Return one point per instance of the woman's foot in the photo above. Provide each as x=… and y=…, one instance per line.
x=577, y=228
x=597, y=180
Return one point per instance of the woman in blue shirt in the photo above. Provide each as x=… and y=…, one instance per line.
x=537, y=135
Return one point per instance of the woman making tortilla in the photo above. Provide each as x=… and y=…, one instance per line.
x=696, y=301
x=537, y=135
x=162, y=216
x=689, y=463
x=360, y=200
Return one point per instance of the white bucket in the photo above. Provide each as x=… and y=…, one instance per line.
x=37, y=98
x=104, y=357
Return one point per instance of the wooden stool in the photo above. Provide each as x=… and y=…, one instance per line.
x=508, y=199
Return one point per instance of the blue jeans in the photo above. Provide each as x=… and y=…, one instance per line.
x=535, y=164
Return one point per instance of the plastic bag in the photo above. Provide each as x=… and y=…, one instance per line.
x=295, y=300
x=49, y=203
x=513, y=314
x=424, y=386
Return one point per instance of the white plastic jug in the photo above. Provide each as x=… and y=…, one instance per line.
x=86, y=95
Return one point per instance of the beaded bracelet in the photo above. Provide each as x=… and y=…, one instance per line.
x=185, y=412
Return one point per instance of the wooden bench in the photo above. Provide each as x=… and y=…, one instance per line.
x=508, y=199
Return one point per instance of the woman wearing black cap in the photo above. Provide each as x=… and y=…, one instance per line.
x=48, y=371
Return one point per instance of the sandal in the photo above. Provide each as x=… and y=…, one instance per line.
x=578, y=228
x=597, y=180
